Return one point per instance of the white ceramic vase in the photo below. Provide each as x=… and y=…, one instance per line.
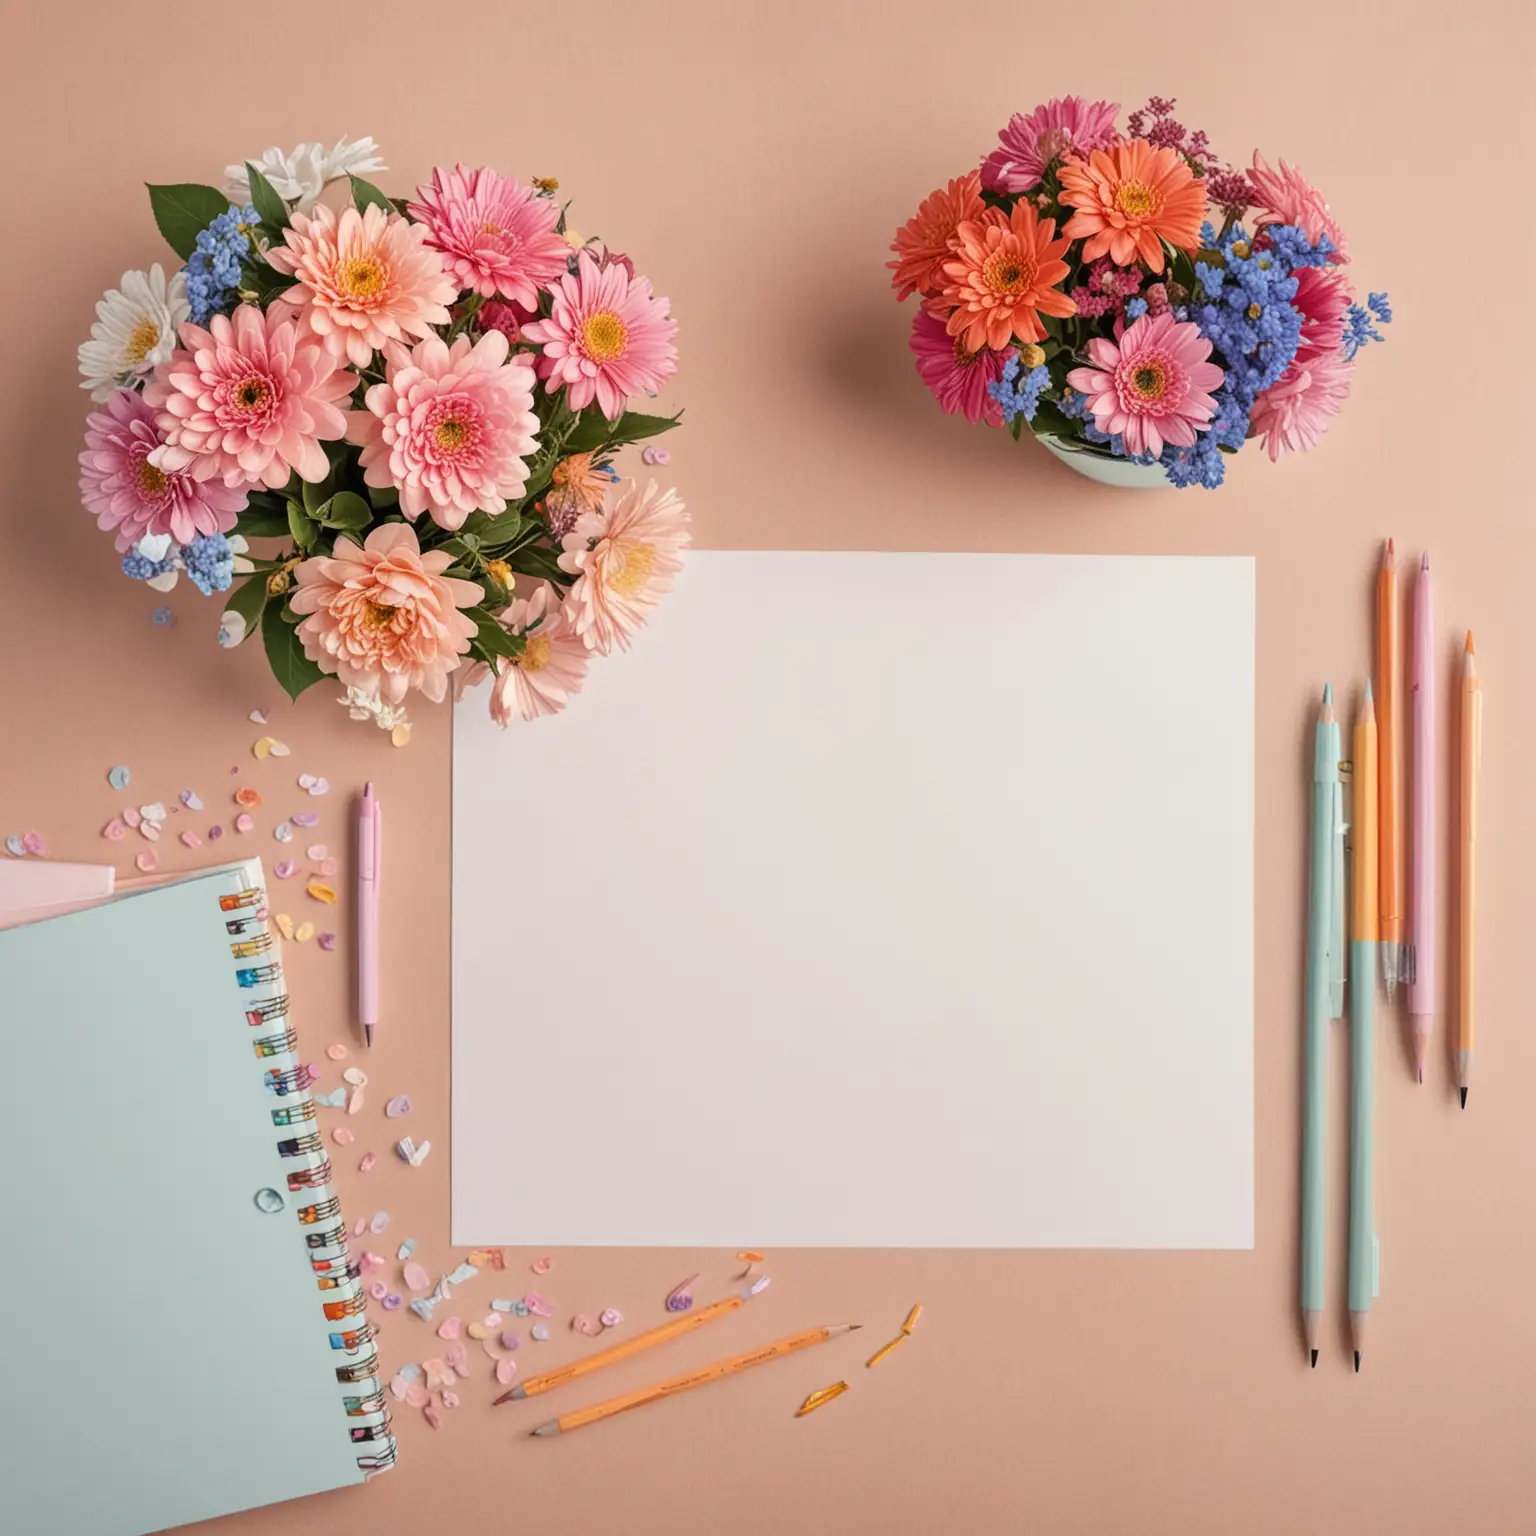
x=1106, y=470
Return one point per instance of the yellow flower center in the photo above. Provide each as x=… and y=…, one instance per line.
x=1254, y=311
x=629, y=568
x=378, y=616
x=604, y=336
x=360, y=277
x=1240, y=250
x=1136, y=199
x=151, y=480
x=488, y=228
x=251, y=394
x=451, y=435
x=1149, y=381
x=143, y=339
x=535, y=655
x=1006, y=271
x=500, y=570
x=1031, y=356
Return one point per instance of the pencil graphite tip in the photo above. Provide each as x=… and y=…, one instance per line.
x=1327, y=693
x=1471, y=649
x=1389, y=554
x=1357, y=1364
x=1424, y=561
x=1463, y=1098
x=1421, y=1077
x=1314, y=1359
x=552, y=1428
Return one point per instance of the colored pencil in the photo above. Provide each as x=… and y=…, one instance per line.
x=1466, y=909
x=1389, y=695
x=1422, y=960
x=700, y=1378
x=1362, y=1041
x=672, y=1329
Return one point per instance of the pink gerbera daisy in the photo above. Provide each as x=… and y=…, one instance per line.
x=1154, y=386
x=249, y=399
x=124, y=486
x=607, y=337
x=1292, y=414
x=1065, y=125
x=363, y=279
x=623, y=560
x=553, y=665
x=382, y=616
x=497, y=237
x=957, y=376
x=1322, y=299
x=451, y=428
x=1287, y=197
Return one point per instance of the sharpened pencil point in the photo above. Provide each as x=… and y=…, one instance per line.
x=1424, y=562
x=368, y=1036
x=1471, y=649
x=1463, y=1098
x=1421, y=1077
x=1370, y=696
x=552, y=1428
x=1357, y=1362
x=1314, y=1359
x=1391, y=546
x=1327, y=693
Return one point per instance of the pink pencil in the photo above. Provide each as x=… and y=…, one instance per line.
x=1423, y=957
x=370, y=848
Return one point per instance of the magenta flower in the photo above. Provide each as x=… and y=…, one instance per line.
x=126, y=489
x=1287, y=197
x=497, y=237
x=958, y=378
x=249, y=400
x=1154, y=386
x=607, y=338
x=1064, y=125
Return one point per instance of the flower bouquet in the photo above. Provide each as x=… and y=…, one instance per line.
x=1129, y=296
x=422, y=399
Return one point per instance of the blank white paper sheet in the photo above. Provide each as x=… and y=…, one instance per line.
x=871, y=900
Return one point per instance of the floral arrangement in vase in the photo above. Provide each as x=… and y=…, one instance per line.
x=421, y=398
x=1140, y=305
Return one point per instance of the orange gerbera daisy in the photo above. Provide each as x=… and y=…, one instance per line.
x=1129, y=196
x=922, y=244
x=1002, y=275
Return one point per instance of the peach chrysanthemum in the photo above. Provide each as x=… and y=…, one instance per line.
x=382, y=616
x=1130, y=199
x=1002, y=276
x=363, y=279
x=623, y=559
x=553, y=665
x=923, y=244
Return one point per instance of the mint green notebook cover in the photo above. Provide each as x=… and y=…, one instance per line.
x=163, y=1336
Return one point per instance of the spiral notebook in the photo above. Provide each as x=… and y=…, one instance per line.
x=181, y=1325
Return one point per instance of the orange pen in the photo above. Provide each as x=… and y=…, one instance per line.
x=1466, y=909
x=1389, y=696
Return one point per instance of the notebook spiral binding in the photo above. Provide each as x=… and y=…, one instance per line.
x=341, y=1299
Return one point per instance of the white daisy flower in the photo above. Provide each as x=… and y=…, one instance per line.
x=135, y=330
x=299, y=178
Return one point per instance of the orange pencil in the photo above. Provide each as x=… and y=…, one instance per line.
x=700, y=1378
x=1389, y=696
x=558, y=1377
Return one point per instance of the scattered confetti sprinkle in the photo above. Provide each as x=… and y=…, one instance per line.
x=399, y=1386
x=335, y=1099
x=400, y=736
x=406, y=1249
x=248, y=797
x=464, y=1273
x=378, y=1290
x=416, y=1395
x=379, y=1222
x=510, y=1340
x=336, y=1052
x=450, y=1399
x=505, y=1371
x=587, y=1325
x=355, y=1101
x=542, y=1266
x=262, y=746
x=321, y=892
x=191, y=799
x=279, y=749
x=356, y=1076
x=326, y=941
x=449, y=1328
x=244, y=822
x=422, y=1307
x=411, y=1153
x=370, y=1260
x=416, y=1277
x=540, y=1331
x=680, y=1297
x=315, y=786
x=285, y=869
x=759, y=1285
x=131, y=817
x=14, y=848
x=397, y=1106
x=257, y=717
x=304, y=933
x=342, y=1136
x=359, y=1226
x=283, y=832
x=304, y=818
x=820, y=1398
x=751, y=1260
x=611, y=1317
x=120, y=777
x=162, y=618
x=501, y=1306
x=148, y=860
x=493, y=1257
x=215, y=833
x=284, y=924
x=115, y=829
x=367, y=1161
x=393, y=1301
x=329, y=866
x=537, y=1305
x=192, y=839
x=479, y=1331
x=315, y=851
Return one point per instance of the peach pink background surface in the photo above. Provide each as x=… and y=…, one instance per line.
x=756, y=161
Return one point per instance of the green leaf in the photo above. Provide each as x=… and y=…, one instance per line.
x=315, y=496
x=184, y=211
x=539, y=560
x=382, y=497
x=589, y=433
x=264, y=281
x=300, y=527
x=263, y=521
x=265, y=199
x=632, y=426
x=491, y=638
x=248, y=601
x=346, y=510
x=285, y=653
x=500, y=529
x=365, y=193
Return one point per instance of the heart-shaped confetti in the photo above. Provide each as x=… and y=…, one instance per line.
x=285, y=869
x=505, y=1371
x=192, y=839
x=449, y=1328
x=397, y=1106
x=379, y=1222
x=305, y=818
x=191, y=799
x=150, y=831
x=326, y=941
x=315, y=851
x=542, y=1266
x=366, y=1161
x=120, y=777
x=283, y=832
x=244, y=822
x=356, y=1076
x=417, y=1278
x=305, y=780
x=115, y=829
x=215, y=833
x=148, y=860
x=131, y=817
x=32, y=842
x=432, y=1416
x=342, y=1136
x=14, y=848
x=406, y=1249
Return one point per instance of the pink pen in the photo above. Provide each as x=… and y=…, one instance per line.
x=370, y=850
x=1422, y=958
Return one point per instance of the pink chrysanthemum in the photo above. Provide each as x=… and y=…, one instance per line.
x=125, y=488
x=382, y=616
x=497, y=237
x=363, y=279
x=607, y=337
x=1322, y=299
x=1063, y=126
x=509, y=319
x=1287, y=197
x=958, y=377
x=623, y=560
x=1154, y=386
x=249, y=399
x=1292, y=414
x=450, y=428
x=553, y=665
